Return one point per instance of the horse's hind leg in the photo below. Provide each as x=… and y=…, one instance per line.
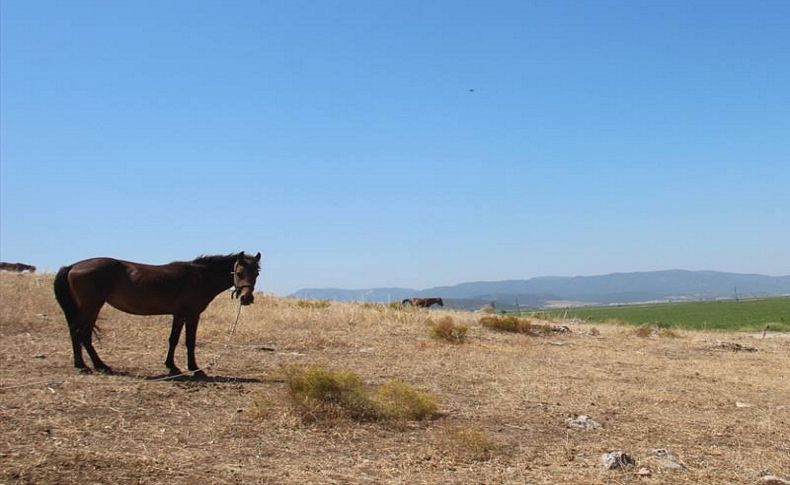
x=76, y=347
x=98, y=364
x=175, y=334
x=86, y=336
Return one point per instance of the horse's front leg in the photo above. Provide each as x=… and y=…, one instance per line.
x=175, y=335
x=192, y=324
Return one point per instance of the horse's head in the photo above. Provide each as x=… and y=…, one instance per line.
x=245, y=273
x=440, y=302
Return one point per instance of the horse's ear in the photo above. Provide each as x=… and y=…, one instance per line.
x=258, y=257
x=240, y=256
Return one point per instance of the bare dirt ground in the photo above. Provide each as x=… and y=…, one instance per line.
x=504, y=400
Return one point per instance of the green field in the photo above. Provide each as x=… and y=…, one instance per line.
x=726, y=315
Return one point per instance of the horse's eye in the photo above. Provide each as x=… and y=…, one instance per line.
x=239, y=273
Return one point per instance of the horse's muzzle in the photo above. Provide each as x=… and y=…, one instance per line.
x=244, y=294
x=246, y=298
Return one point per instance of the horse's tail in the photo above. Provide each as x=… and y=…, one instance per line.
x=65, y=298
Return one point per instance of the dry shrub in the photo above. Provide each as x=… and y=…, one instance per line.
x=732, y=346
x=313, y=304
x=547, y=329
x=511, y=323
x=444, y=328
x=319, y=394
x=467, y=444
x=398, y=400
x=508, y=323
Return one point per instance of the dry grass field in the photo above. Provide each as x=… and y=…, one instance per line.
x=503, y=398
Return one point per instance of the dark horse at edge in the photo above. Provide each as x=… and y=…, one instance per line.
x=422, y=302
x=182, y=289
x=17, y=267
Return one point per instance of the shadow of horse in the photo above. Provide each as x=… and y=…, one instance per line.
x=191, y=378
x=204, y=379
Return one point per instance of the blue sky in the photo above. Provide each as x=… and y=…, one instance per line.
x=359, y=144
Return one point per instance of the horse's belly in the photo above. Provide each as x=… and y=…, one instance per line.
x=142, y=304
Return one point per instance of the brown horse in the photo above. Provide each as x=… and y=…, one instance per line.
x=423, y=302
x=181, y=289
x=18, y=267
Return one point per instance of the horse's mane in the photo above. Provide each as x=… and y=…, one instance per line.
x=219, y=260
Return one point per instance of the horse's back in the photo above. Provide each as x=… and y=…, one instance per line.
x=136, y=288
x=93, y=266
x=130, y=268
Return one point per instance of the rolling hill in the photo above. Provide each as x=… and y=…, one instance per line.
x=671, y=285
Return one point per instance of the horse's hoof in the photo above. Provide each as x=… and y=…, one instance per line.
x=105, y=370
x=175, y=371
x=84, y=370
x=199, y=374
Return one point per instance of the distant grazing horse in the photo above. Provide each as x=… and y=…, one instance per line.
x=422, y=302
x=18, y=267
x=181, y=289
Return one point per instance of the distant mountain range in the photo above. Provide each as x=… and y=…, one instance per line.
x=672, y=285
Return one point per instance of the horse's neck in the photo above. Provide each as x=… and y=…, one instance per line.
x=221, y=278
